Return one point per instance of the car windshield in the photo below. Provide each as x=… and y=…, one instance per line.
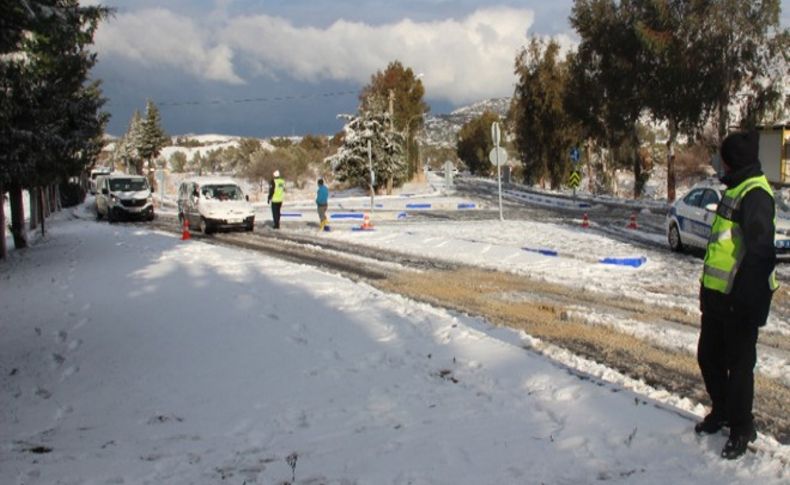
x=222, y=192
x=128, y=184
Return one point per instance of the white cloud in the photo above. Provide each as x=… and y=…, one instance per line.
x=463, y=60
x=159, y=37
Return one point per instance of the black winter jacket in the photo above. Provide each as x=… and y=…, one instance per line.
x=751, y=294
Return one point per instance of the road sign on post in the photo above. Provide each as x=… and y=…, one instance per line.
x=495, y=133
x=372, y=179
x=575, y=177
x=575, y=155
x=498, y=156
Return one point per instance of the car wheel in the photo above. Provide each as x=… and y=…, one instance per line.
x=110, y=217
x=98, y=214
x=205, y=227
x=675, y=244
x=249, y=227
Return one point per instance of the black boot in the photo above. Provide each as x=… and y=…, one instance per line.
x=737, y=444
x=711, y=424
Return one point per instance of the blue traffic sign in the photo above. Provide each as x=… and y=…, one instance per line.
x=575, y=155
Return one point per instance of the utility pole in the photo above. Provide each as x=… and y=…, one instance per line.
x=392, y=107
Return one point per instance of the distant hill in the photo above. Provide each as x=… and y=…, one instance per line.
x=442, y=129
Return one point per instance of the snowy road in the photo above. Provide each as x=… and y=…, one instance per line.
x=662, y=292
x=129, y=356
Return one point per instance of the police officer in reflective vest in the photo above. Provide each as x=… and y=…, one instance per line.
x=738, y=281
x=276, y=193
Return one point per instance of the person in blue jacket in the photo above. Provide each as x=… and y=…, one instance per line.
x=322, y=202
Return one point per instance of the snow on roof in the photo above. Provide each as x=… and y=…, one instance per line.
x=211, y=180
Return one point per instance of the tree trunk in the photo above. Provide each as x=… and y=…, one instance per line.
x=724, y=118
x=389, y=185
x=637, y=163
x=56, y=197
x=42, y=203
x=35, y=209
x=673, y=133
x=613, y=174
x=590, y=174
x=17, y=216
x=3, y=249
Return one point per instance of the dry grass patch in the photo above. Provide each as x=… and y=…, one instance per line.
x=543, y=311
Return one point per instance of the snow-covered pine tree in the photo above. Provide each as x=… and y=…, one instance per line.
x=153, y=136
x=124, y=154
x=350, y=163
x=133, y=139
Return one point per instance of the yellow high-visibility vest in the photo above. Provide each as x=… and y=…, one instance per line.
x=725, y=251
x=279, y=190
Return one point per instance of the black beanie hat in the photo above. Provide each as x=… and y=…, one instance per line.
x=741, y=149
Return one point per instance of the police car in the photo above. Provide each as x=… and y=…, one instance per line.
x=690, y=219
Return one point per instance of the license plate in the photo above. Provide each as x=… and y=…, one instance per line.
x=235, y=221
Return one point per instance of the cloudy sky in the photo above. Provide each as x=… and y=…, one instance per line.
x=288, y=67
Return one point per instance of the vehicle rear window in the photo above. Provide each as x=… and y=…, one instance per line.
x=128, y=185
x=694, y=198
x=222, y=192
x=710, y=197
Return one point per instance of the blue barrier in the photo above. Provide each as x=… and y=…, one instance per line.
x=466, y=206
x=544, y=252
x=347, y=215
x=418, y=206
x=291, y=214
x=633, y=262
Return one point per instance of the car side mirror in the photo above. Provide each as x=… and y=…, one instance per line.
x=105, y=191
x=712, y=207
x=196, y=194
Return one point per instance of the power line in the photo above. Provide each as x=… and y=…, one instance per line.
x=255, y=100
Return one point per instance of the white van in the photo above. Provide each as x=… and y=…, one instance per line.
x=213, y=203
x=121, y=196
x=96, y=172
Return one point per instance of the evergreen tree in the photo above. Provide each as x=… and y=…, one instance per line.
x=544, y=132
x=606, y=81
x=152, y=137
x=50, y=118
x=351, y=164
x=475, y=143
x=403, y=94
x=745, y=50
x=679, y=88
x=133, y=139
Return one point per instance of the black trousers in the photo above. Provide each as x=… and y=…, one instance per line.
x=276, y=206
x=727, y=354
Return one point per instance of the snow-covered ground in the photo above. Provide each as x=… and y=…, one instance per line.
x=130, y=356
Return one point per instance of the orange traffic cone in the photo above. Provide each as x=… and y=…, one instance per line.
x=585, y=221
x=632, y=222
x=185, y=232
x=366, y=222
